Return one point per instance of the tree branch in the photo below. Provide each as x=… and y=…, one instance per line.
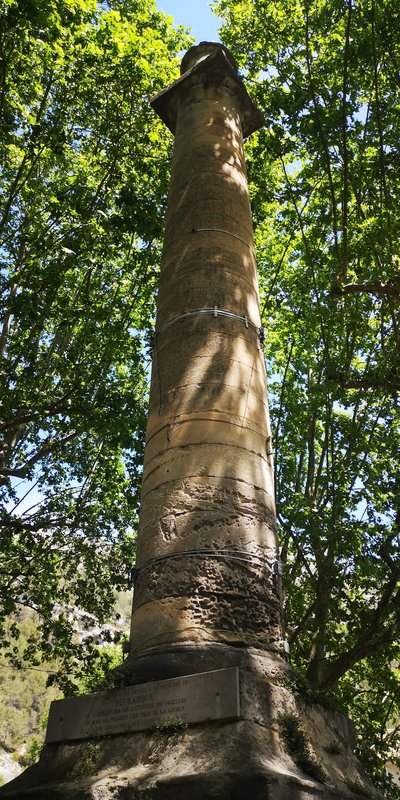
x=373, y=640
x=345, y=194
x=377, y=288
x=49, y=447
x=363, y=383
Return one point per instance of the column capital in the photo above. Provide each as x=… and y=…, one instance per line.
x=210, y=64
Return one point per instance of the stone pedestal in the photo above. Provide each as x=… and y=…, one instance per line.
x=282, y=748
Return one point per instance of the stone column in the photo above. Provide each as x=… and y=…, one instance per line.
x=207, y=565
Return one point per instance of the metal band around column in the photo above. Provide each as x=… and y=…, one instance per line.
x=212, y=312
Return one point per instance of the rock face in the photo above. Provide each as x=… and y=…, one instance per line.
x=9, y=768
x=207, y=589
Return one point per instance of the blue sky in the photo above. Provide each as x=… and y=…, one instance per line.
x=195, y=14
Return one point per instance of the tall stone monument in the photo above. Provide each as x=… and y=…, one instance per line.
x=207, y=569
x=204, y=707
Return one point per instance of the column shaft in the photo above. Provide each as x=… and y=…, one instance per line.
x=206, y=543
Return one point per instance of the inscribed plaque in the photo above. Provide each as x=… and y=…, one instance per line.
x=191, y=698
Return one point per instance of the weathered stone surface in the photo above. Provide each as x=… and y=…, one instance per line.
x=192, y=253
x=187, y=699
x=218, y=68
x=233, y=520
x=211, y=601
x=198, y=52
x=247, y=758
x=209, y=458
x=205, y=430
x=209, y=290
x=208, y=472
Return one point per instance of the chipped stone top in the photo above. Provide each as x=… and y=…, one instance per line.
x=201, y=51
x=208, y=63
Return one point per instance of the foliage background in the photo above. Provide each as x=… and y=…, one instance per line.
x=83, y=184
x=325, y=193
x=25, y=695
x=85, y=167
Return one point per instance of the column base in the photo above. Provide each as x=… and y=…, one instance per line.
x=214, y=786
x=282, y=748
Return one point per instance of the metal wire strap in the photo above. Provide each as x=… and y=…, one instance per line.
x=211, y=230
x=211, y=312
x=274, y=567
x=220, y=230
x=215, y=312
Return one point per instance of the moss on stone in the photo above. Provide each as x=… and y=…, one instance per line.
x=86, y=761
x=298, y=747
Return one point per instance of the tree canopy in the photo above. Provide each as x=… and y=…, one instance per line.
x=83, y=184
x=325, y=185
x=85, y=168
